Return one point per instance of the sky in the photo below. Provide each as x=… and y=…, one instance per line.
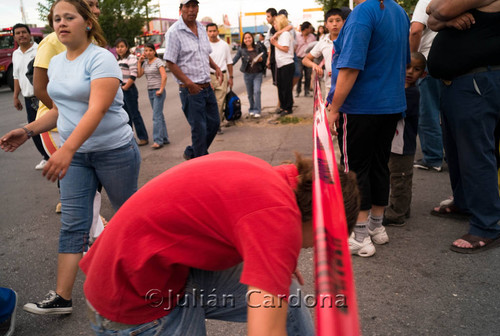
x=10, y=12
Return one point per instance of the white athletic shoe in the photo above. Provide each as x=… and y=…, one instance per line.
x=379, y=235
x=41, y=165
x=363, y=249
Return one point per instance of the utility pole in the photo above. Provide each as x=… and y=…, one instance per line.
x=22, y=12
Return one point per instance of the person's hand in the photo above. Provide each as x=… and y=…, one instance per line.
x=333, y=119
x=159, y=92
x=193, y=88
x=12, y=140
x=17, y=104
x=219, y=75
x=230, y=82
x=58, y=164
x=268, y=63
x=299, y=277
x=318, y=69
x=461, y=22
x=140, y=59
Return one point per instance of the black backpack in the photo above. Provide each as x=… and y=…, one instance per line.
x=232, y=106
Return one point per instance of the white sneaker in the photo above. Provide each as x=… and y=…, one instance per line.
x=379, y=235
x=41, y=165
x=363, y=249
x=256, y=115
x=251, y=114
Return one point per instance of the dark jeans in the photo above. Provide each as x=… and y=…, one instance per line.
x=305, y=72
x=471, y=111
x=285, y=86
x=429, y=123
x=202, y=114
x=130, y=104
x=401, y=168
x=31, y=108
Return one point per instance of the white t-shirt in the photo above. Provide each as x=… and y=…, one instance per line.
x=419, y=15
x=69, y=88
x=20, y=62
x=221, y=55
x=324, y=48
x=283, y=58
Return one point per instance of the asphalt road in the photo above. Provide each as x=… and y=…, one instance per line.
x=413, y=286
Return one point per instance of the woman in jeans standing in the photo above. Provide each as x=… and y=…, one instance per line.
x=154, y=68
x=97, y=143
x=128, y=65
x=252, y=71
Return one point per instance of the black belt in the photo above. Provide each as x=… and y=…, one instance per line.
x=202, y=85
x=473, y=71
x=107, y=324
x=213, y=73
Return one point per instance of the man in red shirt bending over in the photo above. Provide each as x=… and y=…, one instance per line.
x=217, y=237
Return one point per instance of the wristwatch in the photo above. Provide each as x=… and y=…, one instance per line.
x=28, y=132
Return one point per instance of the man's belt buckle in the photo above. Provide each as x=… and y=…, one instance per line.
x=446, y=82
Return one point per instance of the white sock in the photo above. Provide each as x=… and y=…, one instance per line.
x=375, y=221
x=361, y=231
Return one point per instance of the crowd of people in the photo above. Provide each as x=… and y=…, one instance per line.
x=386, y=80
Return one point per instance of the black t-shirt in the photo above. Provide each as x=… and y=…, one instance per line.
x=456, y=52
x=272, y=53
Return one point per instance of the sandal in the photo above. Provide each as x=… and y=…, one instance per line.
x=475, y=241
x=156, y=146
x=448, y=209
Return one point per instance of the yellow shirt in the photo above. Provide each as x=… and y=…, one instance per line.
x=48, y=48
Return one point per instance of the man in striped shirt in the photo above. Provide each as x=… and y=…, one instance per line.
x=187, y=52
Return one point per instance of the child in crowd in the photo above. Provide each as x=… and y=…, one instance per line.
x=334, y=20
x=404, y=146
x=128, y=65
x=154, y=68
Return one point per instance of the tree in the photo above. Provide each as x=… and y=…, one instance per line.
x=408, y=5
x=119, y=18
x=123, y=18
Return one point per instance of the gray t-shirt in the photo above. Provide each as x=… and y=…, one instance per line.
x=152, y=72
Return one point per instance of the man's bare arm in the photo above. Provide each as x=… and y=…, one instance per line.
x=416, y=30
x=266, y=313
x=445, y=10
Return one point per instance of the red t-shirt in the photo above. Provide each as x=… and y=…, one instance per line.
x=210, y=213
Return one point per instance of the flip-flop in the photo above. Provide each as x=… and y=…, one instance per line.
x=476, y=246
x=447, y=209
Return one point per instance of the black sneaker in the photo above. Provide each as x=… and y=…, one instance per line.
x=421, y=164
x=52, y=304
x=7, y=327
x=391, y=222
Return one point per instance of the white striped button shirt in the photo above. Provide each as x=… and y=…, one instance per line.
x=188, y=52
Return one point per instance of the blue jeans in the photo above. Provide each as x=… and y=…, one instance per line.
x=117, y=170
x=305, y=72
x=429, y=126
x=471, y=111
x=253, y=82
x=131, y=105
x=160, y=135
x=189, y=319
x=202, y=114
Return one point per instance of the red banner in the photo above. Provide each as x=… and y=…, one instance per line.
x=336, y=305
